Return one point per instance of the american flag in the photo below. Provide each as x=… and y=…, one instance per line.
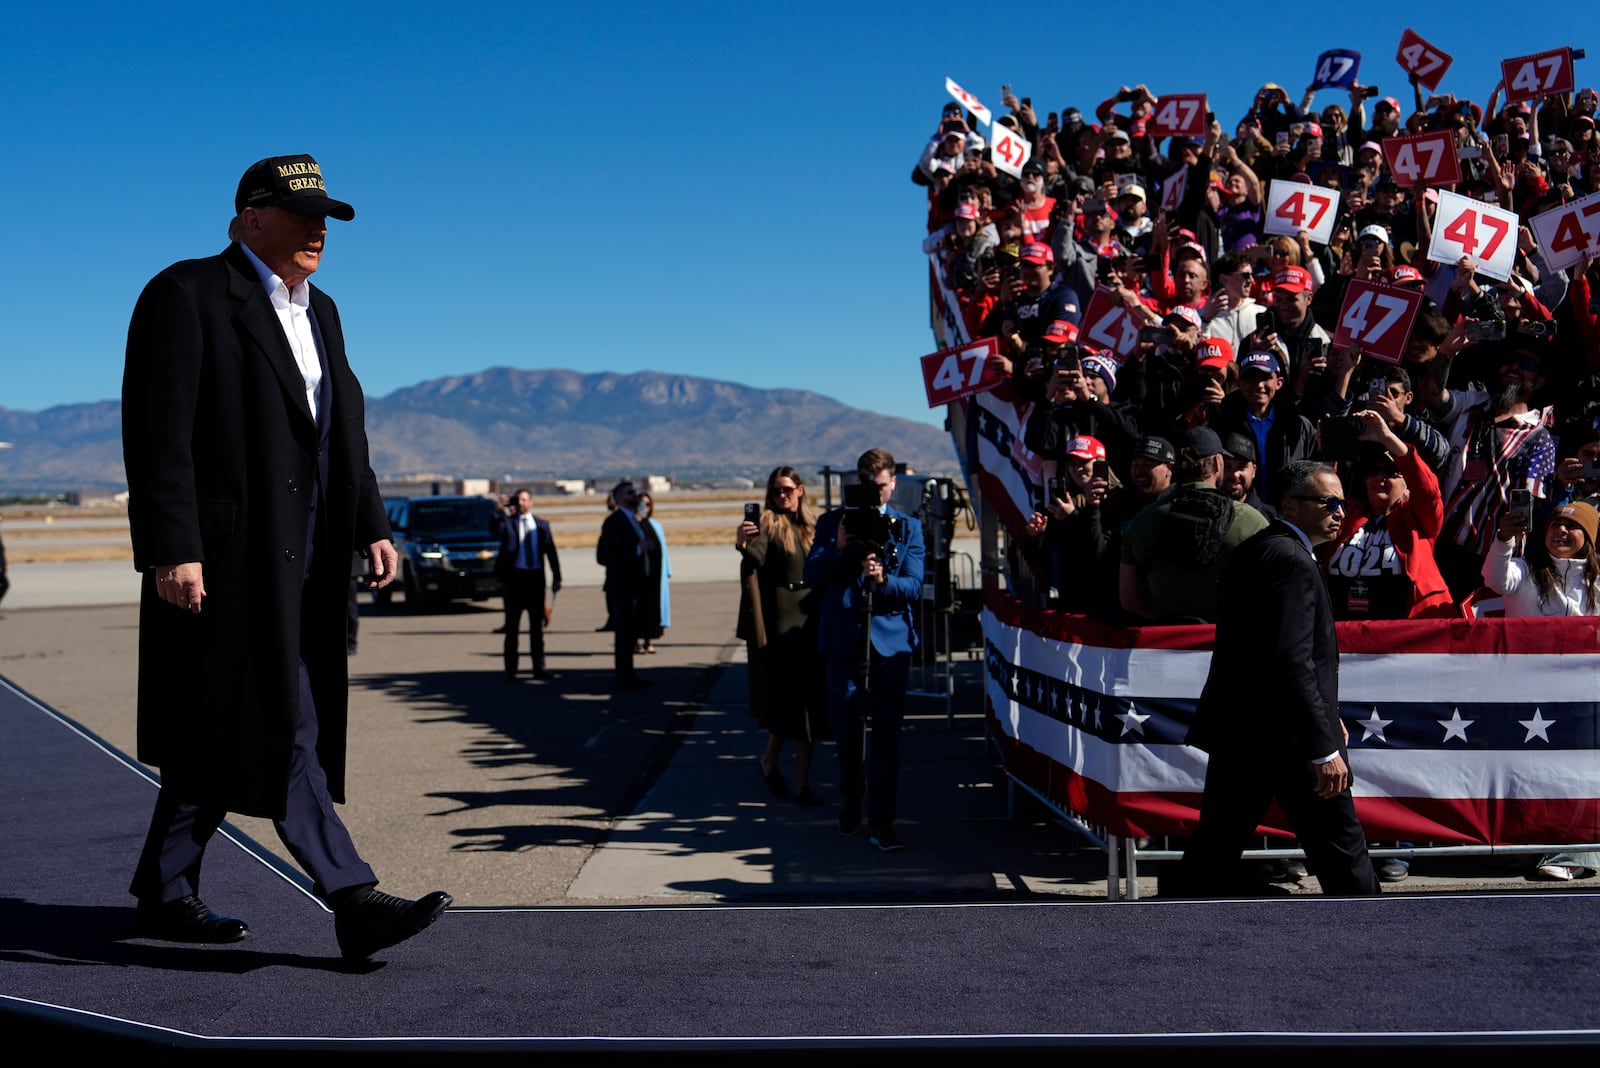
x=1482, y=731
x=1003, y=470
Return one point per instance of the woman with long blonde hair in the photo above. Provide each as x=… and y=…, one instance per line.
x=778, y=620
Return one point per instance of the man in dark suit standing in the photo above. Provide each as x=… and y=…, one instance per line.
x=621, y=551
x=1269, y=713
x=244, y=440
x=871, y=585
x=526, y=546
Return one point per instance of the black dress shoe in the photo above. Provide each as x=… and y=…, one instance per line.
x=774, y=780
x=542, y=675
x=368, y=920
x=187, y=920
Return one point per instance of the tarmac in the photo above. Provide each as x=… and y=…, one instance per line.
x=566, y=793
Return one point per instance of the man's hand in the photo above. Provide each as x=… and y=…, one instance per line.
x=872, y=569
x=1037, y=523
x=1333, y=778
x=385, y=564
x=182, y=585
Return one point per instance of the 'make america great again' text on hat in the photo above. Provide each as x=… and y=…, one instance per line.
x=293, y=183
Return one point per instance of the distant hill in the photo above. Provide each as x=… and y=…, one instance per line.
x=508, y=423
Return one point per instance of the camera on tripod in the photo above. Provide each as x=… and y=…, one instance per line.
x=869, y=530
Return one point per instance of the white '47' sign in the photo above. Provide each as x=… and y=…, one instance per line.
x=1467, y=227
x=1295, y=206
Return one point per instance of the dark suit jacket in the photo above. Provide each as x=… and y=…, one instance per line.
x=223, y=459
x=839, y=576
x=1273, y=688
x=507, y=529
x=618, y=551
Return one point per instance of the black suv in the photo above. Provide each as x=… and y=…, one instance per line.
x=446, y=550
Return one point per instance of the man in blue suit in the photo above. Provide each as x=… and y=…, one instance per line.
x=870, y=564
x=526, y=549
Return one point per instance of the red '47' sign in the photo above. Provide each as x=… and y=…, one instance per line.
x=1378, y=318
x=1108, y=325
x=1466, y=227
x=1569, y=234
x=1530, y=77
x=951, y=374
x=1418, y=57
x=1179, y=115
x=1423, y=159
x=1294, y=206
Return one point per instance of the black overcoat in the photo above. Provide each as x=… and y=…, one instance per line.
x=221, y=455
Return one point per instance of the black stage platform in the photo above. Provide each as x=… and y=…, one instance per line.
x=958, y=980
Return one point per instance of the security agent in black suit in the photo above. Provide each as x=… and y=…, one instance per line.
x=621, y=551
x=526, y=547
x=249, y=486
x=1269, y=713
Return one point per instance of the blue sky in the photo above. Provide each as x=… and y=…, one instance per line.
x=714, y=189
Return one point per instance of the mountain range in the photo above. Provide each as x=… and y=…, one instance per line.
x=507, y=423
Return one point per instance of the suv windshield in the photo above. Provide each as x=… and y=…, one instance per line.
x=451, y=517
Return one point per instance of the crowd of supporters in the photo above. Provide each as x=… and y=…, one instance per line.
x=1494, y=409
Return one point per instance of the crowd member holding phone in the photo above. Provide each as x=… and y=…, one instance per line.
x=1577, y=476
x=1070, y=545
x=1381, y=566
x=1557, y=574
x=1500, y=444
x=778, y=620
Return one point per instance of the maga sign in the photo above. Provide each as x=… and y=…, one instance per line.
x=951, y=374
x=1377, y=318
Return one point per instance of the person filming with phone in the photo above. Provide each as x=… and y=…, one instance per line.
x=867, y=559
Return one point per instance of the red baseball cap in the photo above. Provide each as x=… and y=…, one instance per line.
x=1062, y=330
x=1293, y=279
x=1186, y=313
x=1403, y=274
x=1086, y=448
x=1035, y=252
x=1213, y=352
x=966, y=210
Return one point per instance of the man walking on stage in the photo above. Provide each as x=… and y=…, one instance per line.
x=1269, y=714
x=245, y=445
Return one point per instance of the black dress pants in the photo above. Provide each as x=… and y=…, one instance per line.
x=524, y=593
x=169, y=865
x=1238, y=790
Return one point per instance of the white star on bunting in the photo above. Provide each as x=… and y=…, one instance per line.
x=1538, y=725
x=1372, y=726
x=1455, y=726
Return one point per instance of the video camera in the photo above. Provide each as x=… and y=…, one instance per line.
x=869, y=530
